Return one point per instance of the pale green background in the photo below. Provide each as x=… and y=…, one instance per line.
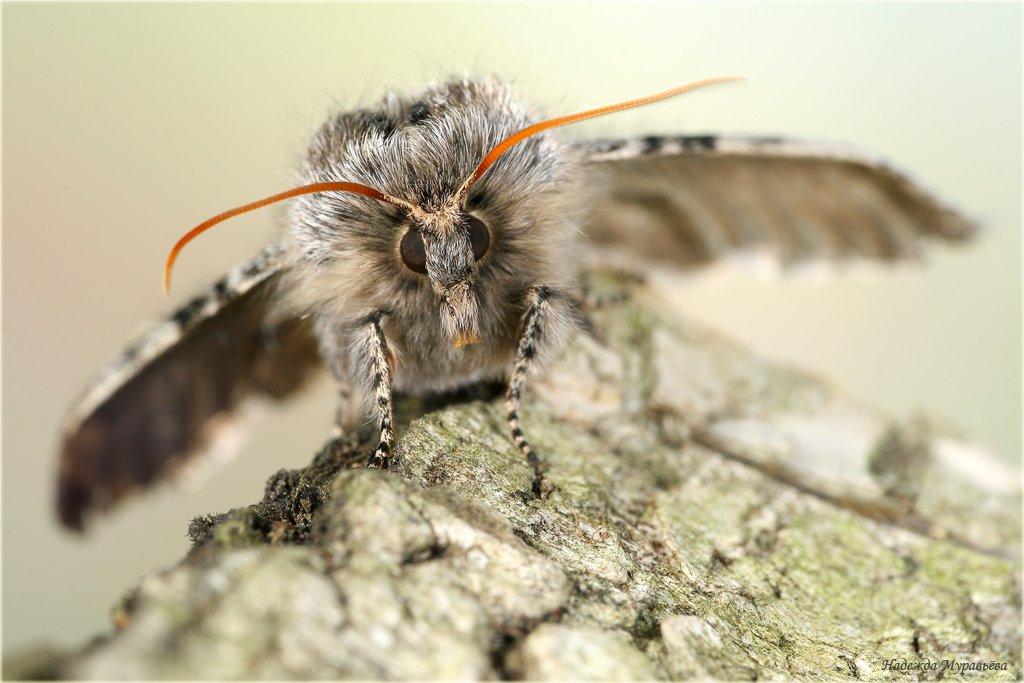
x=125, y=125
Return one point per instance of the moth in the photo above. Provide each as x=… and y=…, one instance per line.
x=436, y=240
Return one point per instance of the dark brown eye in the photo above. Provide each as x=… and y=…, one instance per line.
x=479, y=237
x=414, y=255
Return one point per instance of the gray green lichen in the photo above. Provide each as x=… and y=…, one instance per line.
x=704, y=525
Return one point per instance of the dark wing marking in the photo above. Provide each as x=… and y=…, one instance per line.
x=690, y=201
x=157, y=405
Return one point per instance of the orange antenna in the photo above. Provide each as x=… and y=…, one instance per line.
x=295, y=192
x=516, y=138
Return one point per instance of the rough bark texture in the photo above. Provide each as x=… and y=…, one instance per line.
x=715, y=516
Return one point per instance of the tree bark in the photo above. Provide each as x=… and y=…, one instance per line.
x=715, y=515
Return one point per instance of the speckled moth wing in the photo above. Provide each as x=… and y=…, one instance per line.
x=689, y=201
x=159, y=404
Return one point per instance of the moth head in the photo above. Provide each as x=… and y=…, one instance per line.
x=445, y=247
x=432, y=188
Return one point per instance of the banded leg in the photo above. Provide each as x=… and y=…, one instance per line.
x=381, y=378
x=526, y=352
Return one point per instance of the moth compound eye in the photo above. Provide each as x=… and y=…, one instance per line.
x=413, y=253
x=479, y=237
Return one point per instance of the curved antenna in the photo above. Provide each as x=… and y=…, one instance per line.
x=518, y=137
x=313, y=188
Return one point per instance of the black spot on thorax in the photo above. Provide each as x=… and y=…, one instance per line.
x=381, y=123
x=418, y=112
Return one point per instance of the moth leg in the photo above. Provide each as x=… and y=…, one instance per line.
x=380, y=374
x=349, y=411
x=342, y=360
x=535, y=322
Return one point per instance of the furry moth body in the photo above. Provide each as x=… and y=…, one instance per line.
x=476, y=281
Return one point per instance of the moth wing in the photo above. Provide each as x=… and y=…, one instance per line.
x=160, y=403
x=691, y=201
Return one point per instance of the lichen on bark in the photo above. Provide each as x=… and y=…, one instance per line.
x=715, y=515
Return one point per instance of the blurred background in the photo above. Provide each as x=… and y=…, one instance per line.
x=124, y=125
